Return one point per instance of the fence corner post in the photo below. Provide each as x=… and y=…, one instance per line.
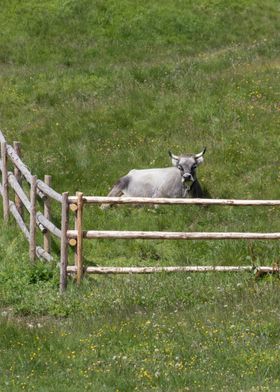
x=5, y=182
x=64, y=242
x=79, y=228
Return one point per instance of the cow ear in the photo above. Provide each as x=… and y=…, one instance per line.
x=199, y=157
x=174, y=158
x=199, y=160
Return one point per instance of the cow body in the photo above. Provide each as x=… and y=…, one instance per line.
x=177, y=181
x=165, y=182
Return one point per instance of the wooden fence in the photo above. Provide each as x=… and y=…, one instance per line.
x=11, y=186
x=12, y=182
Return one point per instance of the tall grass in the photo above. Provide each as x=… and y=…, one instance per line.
x=93, y=89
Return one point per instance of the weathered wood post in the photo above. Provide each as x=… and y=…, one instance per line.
x=32, y=222
x=72, y=241
x=79, y=228
x=47, y=214
x=5, y=181
x=64, y=242
x=18, y=175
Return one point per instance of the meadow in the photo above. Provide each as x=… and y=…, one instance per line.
x=92, y=89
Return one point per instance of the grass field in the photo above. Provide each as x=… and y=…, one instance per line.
x=93, y=89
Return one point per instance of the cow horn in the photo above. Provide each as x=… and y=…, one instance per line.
x=172, y=156
x=200, y=154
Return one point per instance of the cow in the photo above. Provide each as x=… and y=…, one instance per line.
x=178, y=181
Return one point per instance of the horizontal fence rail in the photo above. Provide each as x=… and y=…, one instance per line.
x=78, y=202
x=12, y=181
x=171, y=235
x=49, y=191
x=43, y=189
x=168, y=201
x=43, y=223
x=150, y=270
x=40, y=252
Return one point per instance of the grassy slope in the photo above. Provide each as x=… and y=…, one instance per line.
x=94, y=88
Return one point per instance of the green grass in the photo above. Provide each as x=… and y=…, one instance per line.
x=93, y=89
x=199, y=333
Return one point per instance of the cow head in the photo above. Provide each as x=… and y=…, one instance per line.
x=187, y=164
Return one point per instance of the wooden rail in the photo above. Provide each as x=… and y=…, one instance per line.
x=162, y=235
x=168, y=201
x=12, y=181
x=40, y=252
x=43, y=189
x=151, y=270
x=78, y=202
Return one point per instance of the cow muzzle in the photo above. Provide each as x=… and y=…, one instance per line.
x=187, y=177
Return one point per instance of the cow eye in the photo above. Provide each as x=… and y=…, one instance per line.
x=180, y=167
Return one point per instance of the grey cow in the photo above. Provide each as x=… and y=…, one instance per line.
x=177, y=181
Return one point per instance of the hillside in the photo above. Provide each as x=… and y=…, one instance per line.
x=94, y=88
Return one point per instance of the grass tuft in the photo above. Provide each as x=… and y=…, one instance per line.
x=93, y=89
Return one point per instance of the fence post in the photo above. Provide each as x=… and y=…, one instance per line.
x=17, y=173
x=47, y=214
x=79, y=228
x=64, y=242
x=5, y=181
x=32, y=225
